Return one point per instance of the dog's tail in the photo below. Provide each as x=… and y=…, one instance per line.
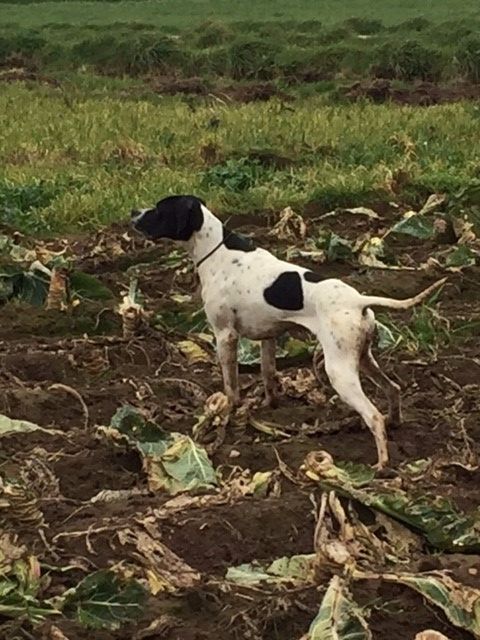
x=392, y=303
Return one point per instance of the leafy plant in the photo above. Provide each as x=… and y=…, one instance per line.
x=20, y=593
x=443, y=525
x=234, y=174
x=249, y=351
x=173, y=462
x=426, y=332
x=416, y=225
x=284, y=569
x=17, y=201
x=339, y=617
x=103, y=600
x=460, y=603
x=8, y=425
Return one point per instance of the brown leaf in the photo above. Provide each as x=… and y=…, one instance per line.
x=291, y=226
x=165, y=571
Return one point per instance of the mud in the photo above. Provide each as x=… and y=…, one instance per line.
x=422, y=94
x=441, y=403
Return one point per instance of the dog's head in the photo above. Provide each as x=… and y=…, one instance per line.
x=175, y=217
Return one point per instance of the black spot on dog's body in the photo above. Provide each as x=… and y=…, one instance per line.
x=311, y=276
x=236, y=261
x=285, y=292
x=236, y=242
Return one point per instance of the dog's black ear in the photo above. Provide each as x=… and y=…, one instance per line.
x=183, y=216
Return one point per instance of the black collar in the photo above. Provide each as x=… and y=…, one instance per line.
x=210, y=253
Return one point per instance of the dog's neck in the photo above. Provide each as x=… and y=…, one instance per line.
x=207, y=239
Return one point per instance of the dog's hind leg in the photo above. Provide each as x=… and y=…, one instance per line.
x=269, y=371
x=371, y=367
x=390, y=388
x=342, y=371
x=227, y=343
x=343, y=344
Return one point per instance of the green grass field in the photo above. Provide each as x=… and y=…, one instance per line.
x=290, y=43
x=98, y=156
x=98, y=138
x=184, y=13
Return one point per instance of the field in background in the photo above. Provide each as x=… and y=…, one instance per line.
x=305, y=44
x=71, y=159
x=183, y=13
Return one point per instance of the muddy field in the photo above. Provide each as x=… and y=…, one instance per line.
x=70, y=371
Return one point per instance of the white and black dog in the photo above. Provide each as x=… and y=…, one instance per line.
x=249, y=292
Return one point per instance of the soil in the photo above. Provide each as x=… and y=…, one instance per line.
x=378, y=90
x=423, y=94
x=81, y=351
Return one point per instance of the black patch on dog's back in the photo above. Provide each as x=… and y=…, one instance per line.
x=236, y=242
x=285, y=292
x=311, y=276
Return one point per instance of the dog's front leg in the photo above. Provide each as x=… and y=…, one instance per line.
x=227, y=343
x=268, y=371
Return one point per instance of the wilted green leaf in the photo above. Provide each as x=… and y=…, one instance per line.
x=435, y=517
x=28, y=286
x=461, y=256
x=459, y=602
x=339, y=617
x=337, y=248
x=260, y=482
x=7, y=425
x=293, y=347
x=128, y=421
x=103, y=601
x=184, y=321
x=270, y=428
x=86, y=286
x=416, y=225
x=19, y=591
x=432, y=203
x=282, y=570
x=174, y=259
x=386, y=339
x=184, y=466
x=314, y=255
x=193, y=351
x=249, y=351
x=173, y=461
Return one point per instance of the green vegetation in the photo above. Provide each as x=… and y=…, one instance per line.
x=80, y=158
x=186, y=12
x=309, y=46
